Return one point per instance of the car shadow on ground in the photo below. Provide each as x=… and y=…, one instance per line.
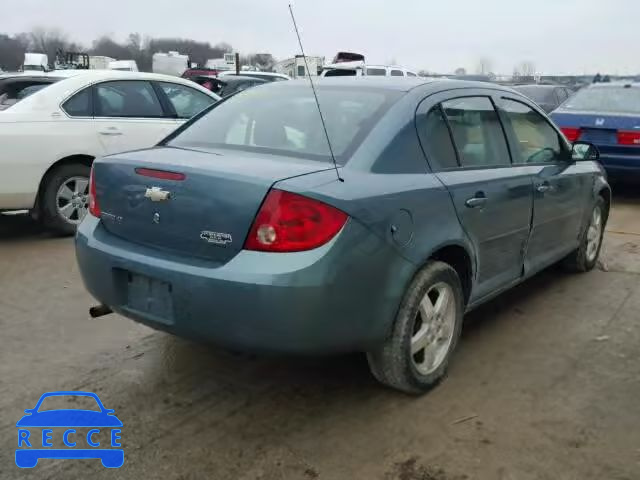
x=176, y=358
x=21, y=227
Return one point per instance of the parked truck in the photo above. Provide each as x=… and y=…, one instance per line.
x=35, y=62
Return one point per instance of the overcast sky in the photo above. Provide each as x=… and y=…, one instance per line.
x=558, y=36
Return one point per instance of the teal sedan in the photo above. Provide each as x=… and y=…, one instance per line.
x=240, y=230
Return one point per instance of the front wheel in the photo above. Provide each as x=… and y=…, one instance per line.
x=585, y=257
x=426, y=330
x=64, y=198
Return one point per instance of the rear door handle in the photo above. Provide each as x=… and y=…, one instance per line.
x=112, y=131
x=475, y=202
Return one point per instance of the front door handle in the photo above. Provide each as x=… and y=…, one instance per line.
x=543, y=187
x=475, y=202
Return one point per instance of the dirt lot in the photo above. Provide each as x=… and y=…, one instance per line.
x=545, y=384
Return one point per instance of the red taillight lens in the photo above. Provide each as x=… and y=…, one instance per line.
x=94, y=208
x=572, y=134
x=288, y=222
x=626, y=137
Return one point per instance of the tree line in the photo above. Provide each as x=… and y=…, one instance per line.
x=135, y=47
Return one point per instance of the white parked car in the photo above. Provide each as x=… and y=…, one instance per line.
x=49, y=139
x=358, y=68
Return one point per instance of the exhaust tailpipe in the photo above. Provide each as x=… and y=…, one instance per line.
x=99, y=311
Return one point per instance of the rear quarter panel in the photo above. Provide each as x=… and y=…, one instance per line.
x=28, y=149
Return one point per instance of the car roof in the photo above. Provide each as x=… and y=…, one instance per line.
x=403, y=84
x=533, y=85
x=241, y=78
x=226, y=73
x=614, y=85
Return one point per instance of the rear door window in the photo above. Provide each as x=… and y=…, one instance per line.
x=537, y=141
x=129, y=98
x=379, y=72
x=186, y=101
x=436, y=140
x=397, y=73
x=477, y=132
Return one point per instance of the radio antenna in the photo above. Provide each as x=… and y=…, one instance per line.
x=315, y=95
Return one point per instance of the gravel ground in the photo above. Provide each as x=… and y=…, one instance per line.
x=545, y=384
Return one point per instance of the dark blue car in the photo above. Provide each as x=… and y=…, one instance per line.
x=238, y=229
x=607, y=115
x=34, y=446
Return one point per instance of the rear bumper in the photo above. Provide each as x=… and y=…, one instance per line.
x=621, y=166
x=339, y=297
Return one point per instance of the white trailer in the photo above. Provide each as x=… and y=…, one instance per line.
x=100, y=62
x=172, y=63
x=295, y=67
x=227, y=62
x=124, y=65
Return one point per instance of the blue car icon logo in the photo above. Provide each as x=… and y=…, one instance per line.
x=37, y=428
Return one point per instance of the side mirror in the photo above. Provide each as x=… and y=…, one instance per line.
x=584, y=151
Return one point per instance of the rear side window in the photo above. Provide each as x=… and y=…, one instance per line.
x=379, y=72
x=185, y=101
x=538, y=141
x=411, y=74
x=477, y=132
x=436, y=140
x=340, y=72
x=397, y=73
x=562, y=94
x=79, y=105
x=131, y=98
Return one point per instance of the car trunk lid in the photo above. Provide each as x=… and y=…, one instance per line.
x=601, y=129
x=196, y=203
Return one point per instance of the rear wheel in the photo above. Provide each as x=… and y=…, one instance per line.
x=427, y=327
x=586, y=256
x=65, y=198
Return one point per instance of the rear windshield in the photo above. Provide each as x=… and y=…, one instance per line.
x=606, y=99
x=537, y=94
x=285, y=121
x=13, y=92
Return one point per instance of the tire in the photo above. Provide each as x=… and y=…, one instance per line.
x=585, y=257
x=51, y=201
x=392, y=363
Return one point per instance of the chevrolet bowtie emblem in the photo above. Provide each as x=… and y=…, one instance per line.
x=156, y=194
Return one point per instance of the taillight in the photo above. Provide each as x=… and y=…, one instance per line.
x=94, y=207
x=626, y=137
x=288, y=222
x=161, y=174
x=572, y=134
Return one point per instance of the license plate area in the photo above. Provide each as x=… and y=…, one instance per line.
x=150, y=296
